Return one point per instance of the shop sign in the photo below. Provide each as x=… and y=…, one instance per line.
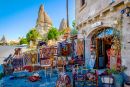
x=96, y=24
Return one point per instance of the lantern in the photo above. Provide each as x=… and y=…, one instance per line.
x=118, y=42
x=107, y=79
x=91, y=49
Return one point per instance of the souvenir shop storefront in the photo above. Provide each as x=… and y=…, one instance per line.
x=102, y=49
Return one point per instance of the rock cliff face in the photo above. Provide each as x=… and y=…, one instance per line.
x=63, y=25
x=43, y=21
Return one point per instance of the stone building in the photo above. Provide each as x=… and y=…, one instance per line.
x=43, y=21
x=96, y=16
x=63, y=25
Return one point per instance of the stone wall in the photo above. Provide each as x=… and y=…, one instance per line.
x=100, y=10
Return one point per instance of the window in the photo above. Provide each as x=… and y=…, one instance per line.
x=83, y=2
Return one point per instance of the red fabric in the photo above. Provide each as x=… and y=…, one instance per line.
x=34, y=78
x=27, y=68
x=119, y=61
x=108, y=54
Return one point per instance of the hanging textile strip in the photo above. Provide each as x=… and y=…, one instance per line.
x=109, y=56
x=119, y=61
x=40, y=51
x=75, y=48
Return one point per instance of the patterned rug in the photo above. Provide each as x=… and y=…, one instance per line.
x=18, y=63
x=80, y=47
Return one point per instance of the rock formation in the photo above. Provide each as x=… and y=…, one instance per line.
x=63, y=25
x=43, y=21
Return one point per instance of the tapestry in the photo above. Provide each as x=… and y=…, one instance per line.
x=65, y=50
x=48, y=51
x=75, y=48
x=114, y=59
x=27, y=59
x=80, y=47
x=18, y=63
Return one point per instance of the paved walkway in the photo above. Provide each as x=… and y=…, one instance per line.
x=5, y=51
x=45, y=82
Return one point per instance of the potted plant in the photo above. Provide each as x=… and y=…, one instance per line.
x=118, y=76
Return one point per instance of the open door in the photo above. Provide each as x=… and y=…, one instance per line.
x=100, y=54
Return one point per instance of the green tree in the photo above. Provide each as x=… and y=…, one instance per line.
x=32, y=35
x=73, y=30
x=61, y=33
x=53, y=33
x=73, y=23
x=23, y=41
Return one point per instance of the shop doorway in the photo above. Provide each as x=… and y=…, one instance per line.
x=102, y=41
x=101, y=52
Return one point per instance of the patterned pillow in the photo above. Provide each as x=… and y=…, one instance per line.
x=90, y=76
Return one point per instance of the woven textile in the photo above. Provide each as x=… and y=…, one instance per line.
x=18, y=63
x=34, y=58
x=80, y=47
x=40, y=51
x=48, y=52
x=46, y=62
x=27, y=59
x=17, y=51
x=75, y=48
x=28, y=68
x=65, y=50
x=65, y=78
x=30, y=58
x=61, y=62
x=114, y=59
x=36, y=68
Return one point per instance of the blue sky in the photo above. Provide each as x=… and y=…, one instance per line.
x=17, y=17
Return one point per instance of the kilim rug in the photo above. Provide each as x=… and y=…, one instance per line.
x=80, y=47
x=18, y=63
x=27, y=59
